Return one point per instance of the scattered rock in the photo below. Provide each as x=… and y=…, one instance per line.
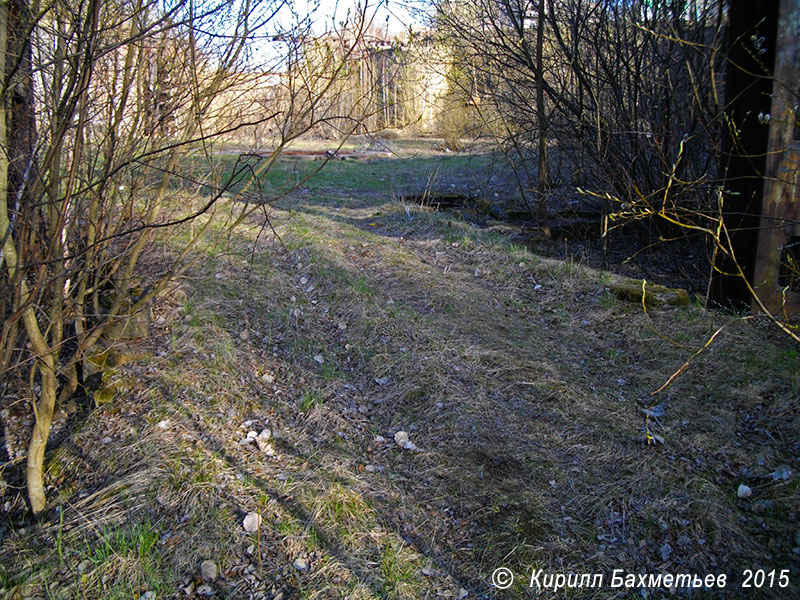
x=380, y=439
x=205, y=590
x=427, y=571
x=244, y=335
x=268, y=378
x=370, y=468
x=744, y=491
x=318, y=358
x=382, y=380
x=252, y=522
x=163, y=424
x=666, y=552
x=264, y=440
x=462, y=593
x=208, y=570
x=782, y=472
x=148, y=596
x=400, y=438
x=301, y=564
x=342, y=325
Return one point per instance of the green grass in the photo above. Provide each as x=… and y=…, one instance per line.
x=308, y=401
x=398, y=568
x=361, y=287
x=341, y=177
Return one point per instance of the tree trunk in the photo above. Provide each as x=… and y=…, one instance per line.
x=41, y=433
x=748, y=87
x=542, y=174
x=23, y=225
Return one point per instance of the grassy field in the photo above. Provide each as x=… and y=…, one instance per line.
x=521, y=382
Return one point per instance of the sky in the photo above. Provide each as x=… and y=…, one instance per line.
x=392, y=14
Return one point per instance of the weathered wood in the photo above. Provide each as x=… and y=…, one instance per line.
x=780, y=221
x=748, y=85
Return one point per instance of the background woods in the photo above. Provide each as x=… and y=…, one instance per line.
x=103, y=104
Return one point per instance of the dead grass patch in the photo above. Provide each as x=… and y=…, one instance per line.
x=519, y=379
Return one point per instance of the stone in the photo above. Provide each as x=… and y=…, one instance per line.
x=208, y=570
x=400, y=438
x=252, y=522
x=665, y=551
x=130, y=326
x=264, y=440
x=205, y=590
x=655, y=295
x=301, y=564
x=744, y=491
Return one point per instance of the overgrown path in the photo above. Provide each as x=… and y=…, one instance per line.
x=520, y=382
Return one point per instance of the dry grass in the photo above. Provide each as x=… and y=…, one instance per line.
x=520, y=380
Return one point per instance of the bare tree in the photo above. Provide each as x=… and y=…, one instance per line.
x=103, y=103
